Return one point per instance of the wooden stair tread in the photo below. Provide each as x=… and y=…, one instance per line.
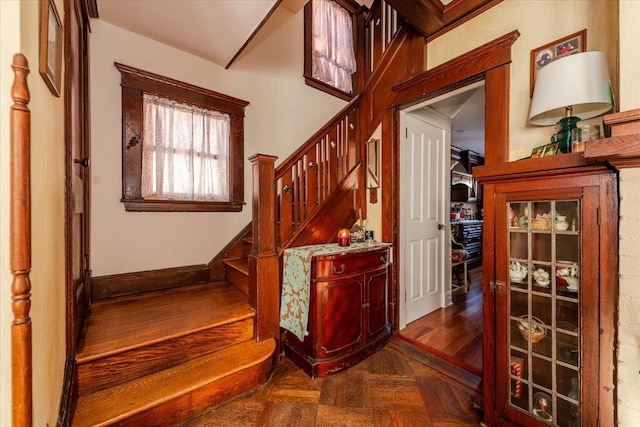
x=129, y=322
x=240, y=264
x=124, y=400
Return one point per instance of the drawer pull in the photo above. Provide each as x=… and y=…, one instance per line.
x=366, y=305
x=383, y=260
x=335, y=270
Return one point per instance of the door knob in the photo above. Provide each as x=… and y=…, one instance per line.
x=84, y=162
x=440, y=226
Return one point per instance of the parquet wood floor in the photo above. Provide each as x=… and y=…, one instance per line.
x=454, y=332
x=397, y=386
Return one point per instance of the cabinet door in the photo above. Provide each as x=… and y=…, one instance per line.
x=340, y=311
x=376, y=301
x=547, y=337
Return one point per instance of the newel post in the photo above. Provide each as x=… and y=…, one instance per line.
x=20, y=245
x=264, y=270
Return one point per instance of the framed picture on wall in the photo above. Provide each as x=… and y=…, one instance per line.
x=544, y=55
x=50, y=65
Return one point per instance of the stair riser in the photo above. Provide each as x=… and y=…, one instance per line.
x=237, y=278
x=119, y=368
x=191, y=404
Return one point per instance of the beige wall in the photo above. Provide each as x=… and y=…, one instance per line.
x=562, y=18
x=629, y=309
x=283, y=113
x=19, y=23
x=539, y=22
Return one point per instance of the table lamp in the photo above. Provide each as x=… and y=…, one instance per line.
x=573, y=88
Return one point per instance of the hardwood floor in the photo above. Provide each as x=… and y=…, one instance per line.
x=454, y=332
x=397, y=386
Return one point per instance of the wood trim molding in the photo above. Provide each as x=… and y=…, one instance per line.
x=622, y=149
x=431, y=19
x=461, y=70
x=116, y=285
x=20, y=245
x=69, y=393
x=254, y=33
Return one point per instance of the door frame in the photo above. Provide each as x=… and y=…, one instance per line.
x=491, y=62
x=79, y=12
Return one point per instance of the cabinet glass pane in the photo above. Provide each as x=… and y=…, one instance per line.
x=544, y=306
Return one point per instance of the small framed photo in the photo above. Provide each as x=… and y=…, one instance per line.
x=544, y=55
x=550, y=149
x=545, y=150
x=50, y=66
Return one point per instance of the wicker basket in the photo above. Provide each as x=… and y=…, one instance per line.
x=541, y=224
x=533, y=325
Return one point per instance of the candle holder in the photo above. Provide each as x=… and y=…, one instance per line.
x=344, y=239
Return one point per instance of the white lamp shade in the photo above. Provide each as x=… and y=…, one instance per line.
x=580, y=81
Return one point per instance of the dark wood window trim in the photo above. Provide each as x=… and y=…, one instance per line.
x=135, y=83
x=357, y=18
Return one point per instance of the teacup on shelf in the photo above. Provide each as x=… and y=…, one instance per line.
x=543, y=282
x=517, y=272
x=573, y=283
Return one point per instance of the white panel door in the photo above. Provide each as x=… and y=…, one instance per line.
x=423, y=153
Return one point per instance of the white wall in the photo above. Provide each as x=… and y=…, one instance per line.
x=19, y=29
x=282, y=114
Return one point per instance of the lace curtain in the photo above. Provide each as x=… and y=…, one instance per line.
x=333, y=58
x=185, y=151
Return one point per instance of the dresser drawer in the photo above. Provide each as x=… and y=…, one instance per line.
x=330, y=266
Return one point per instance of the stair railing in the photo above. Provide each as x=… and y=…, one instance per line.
x=381, y=25
x=284, y=198
x=305, y=179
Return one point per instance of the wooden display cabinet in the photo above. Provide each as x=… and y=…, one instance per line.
x=348, y=311
x=550, y=281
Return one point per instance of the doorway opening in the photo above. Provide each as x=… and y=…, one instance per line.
x=450, y=323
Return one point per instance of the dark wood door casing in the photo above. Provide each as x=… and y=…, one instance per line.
x=78, y=169
x=489, y=62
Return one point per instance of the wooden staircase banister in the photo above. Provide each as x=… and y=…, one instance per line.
x=295, y=156
x=321, y=185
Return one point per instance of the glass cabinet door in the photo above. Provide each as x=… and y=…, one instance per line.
x=543, y=303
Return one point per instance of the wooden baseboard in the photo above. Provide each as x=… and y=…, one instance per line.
x=146, y=281
x=69, y=396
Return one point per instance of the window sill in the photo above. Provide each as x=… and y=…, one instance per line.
x=180, y=206
x=310, y=81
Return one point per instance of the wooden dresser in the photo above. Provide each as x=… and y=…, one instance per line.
x=348, y=309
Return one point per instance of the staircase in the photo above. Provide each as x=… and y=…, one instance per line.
x=162, y=357
x=157, y=358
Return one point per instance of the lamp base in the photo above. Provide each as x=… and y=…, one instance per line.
x=563, y=137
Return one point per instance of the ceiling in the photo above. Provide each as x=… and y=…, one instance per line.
x=217, y=30
x=212, y=29
x=465, y=109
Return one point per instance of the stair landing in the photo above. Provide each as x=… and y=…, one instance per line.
x=133, y=321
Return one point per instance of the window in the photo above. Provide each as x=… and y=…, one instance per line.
x=182, y=146
x=330, y=46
